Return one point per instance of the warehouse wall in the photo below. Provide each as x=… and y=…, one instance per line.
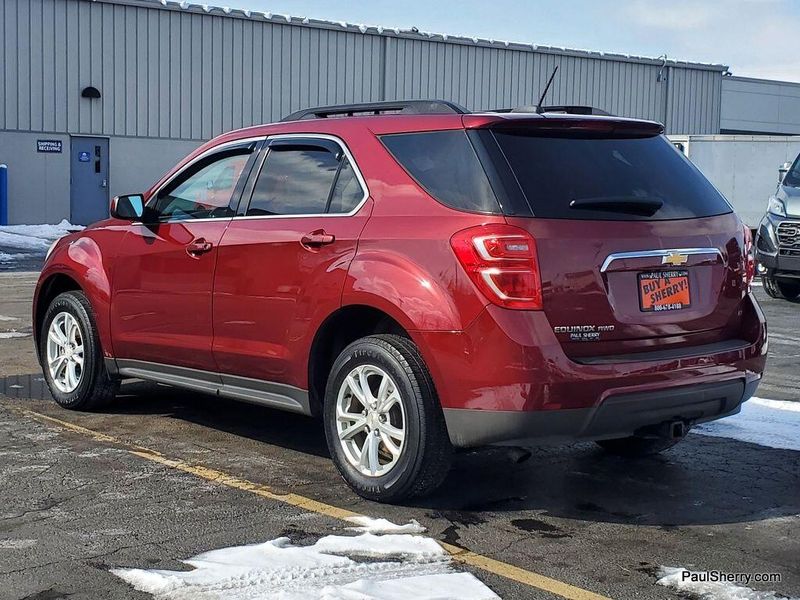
x=39, y=184
x=172, y=76
x=173, y=73
x=760, y=106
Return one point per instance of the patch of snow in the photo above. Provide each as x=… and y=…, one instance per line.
x=370, y=525
x=690, y=582
x=400, y=567
x=5, y=318
x=16, y=544
x=5, y=257
x=772, y=423
x=6, y=335
x=33, y=237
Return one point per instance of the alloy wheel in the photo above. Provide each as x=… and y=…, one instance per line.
x=65, y=352
x=370, y=420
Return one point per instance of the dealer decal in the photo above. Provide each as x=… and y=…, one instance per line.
x=583, y=333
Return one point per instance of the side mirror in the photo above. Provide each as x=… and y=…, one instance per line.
x=127, y=208
x=783, y=170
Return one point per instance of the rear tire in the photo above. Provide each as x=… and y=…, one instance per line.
x=637, y=447
x=782, y=290
x=71, y=357
x=396, y=447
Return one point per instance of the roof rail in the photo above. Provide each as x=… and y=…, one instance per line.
x=565, y=109
x=406, y=107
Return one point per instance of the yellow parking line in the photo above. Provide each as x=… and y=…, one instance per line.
x=462, y=555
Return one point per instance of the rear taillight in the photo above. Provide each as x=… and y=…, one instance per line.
x=749, y=258
x=501, y=261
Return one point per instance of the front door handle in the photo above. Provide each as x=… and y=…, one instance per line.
x=198, y=247
x=317, y=238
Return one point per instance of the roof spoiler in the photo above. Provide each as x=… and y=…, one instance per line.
x=566, y=109
x=406, y=107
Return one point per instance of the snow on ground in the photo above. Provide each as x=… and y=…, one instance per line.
x=709, y=590
x=5, y=257
x=6, y=335
x=370, y=525
x=772, y=423
x=363, y=567
x=32, y=237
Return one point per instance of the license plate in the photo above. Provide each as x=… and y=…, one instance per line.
x=664, y=290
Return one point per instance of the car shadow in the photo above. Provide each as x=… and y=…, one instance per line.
x=702, y=481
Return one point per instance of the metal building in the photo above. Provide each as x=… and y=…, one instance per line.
x=98, y=97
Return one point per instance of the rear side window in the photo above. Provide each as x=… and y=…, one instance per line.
x=618, y=178
x=444, y=163
x=305, y=179
x=294, y=181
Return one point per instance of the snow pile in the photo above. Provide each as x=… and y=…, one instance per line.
x=5, y=257
x=772, y=423
x=33, y=237
x=370, y=525
x=693, y=585
x=7, y=335
x=364, y=567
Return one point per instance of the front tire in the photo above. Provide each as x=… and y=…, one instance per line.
x=782, y=290
x=71, y=357
x=383, y=422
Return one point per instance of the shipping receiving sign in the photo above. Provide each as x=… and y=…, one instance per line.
x=49, y=146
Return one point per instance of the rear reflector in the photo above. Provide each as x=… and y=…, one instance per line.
x=501, y=261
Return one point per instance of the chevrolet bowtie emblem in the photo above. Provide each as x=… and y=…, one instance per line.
x=675, y=259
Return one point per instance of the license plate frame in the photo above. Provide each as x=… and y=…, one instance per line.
x=654, y=294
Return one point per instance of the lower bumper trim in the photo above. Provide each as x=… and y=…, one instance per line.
x=618, y=416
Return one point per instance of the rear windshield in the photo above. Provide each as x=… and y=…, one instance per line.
x=619, y=178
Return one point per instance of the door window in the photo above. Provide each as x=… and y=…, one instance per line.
x=207, y=189
x=305, y=179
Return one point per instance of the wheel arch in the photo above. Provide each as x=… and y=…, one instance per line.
x=48, y=289
x=343, y=326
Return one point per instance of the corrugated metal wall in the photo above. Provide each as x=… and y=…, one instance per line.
x=184, y=74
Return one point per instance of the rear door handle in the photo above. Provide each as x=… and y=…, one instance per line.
x=198, y=247
x=317, y=238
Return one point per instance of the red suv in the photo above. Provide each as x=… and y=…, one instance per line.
x=423, y=279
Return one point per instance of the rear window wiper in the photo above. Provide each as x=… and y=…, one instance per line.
x=645, y=207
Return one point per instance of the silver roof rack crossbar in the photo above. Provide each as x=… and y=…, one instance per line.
x=406, y=107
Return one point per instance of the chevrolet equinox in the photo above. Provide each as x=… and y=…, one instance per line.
x=423, y=279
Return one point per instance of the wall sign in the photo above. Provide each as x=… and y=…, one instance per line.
x=50, y=146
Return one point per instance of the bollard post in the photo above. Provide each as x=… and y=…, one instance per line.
x=3, y=194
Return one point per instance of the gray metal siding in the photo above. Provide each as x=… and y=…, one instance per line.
x=760, y=106
x=487, y=78
x=186, y=74
x=693, y=101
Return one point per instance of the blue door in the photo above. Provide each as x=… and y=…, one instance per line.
x=88, y=180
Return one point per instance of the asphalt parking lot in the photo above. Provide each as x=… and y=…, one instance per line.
x=163, y=475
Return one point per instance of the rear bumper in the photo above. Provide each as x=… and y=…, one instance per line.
x=506, y=380
x=618, y=416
